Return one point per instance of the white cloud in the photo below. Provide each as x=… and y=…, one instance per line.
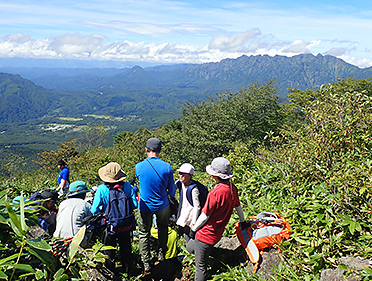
x=235, y=43
x=122, y=51
x=22, y=45
x=149, y=29
x=75, y=44
x=355, y=61
x=18, y=38
x=300, y=47
x=250, y=42
x=132, y=27
x=181, y=31
x=336, y=52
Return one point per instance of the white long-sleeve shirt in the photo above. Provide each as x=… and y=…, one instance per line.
x=188, y=213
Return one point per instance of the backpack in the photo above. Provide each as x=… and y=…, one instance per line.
x=203, y=192
x=119, y=211
x=265, y=230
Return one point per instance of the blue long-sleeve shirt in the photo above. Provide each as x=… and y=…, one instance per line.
x=154, y=186
x=101, y=198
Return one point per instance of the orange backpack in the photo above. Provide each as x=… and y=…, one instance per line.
x=265, y=230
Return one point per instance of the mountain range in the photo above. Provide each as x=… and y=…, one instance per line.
x=144, y=91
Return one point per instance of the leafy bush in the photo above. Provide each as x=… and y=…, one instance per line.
x=317, y=174
x=23, y=257
x=211, y=129
x=20, y=255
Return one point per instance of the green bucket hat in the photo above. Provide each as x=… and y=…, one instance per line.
x=77, y=187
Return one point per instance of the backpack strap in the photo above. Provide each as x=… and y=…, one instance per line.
x=157, y=173
x=188, y=192
x=72, y=221
x=108, y=207
x=250, y=247
x=267, y=215
x=179, y=185
x=191, y=187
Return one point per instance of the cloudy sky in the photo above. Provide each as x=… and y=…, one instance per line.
x=161, y=31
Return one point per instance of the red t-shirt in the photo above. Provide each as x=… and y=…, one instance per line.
x=218, y=207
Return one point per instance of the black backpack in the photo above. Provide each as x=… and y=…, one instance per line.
x=203, y=192
x=119, y=211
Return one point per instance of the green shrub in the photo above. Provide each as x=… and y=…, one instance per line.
x=317, y=175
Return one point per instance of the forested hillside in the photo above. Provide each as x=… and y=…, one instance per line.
x=160, y=89
x=34, y=118
x=301, y=71
x=308, y=159
x=22, y=100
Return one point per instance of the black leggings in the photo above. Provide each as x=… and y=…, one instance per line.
x=124, y=241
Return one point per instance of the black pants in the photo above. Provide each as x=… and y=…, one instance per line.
x=184, y=232
x=124, y=241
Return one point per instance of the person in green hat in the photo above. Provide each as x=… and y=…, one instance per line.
x=72, y=211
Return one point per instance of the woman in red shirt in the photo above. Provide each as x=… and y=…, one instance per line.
x=214, y=216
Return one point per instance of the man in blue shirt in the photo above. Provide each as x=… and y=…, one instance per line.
x=156, y=181
x=63, y=178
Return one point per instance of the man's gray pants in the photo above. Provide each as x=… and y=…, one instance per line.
x=144, y=222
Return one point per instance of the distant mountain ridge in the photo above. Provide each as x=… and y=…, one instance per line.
x=157, y=89
x=18, y=104
x=302, y=71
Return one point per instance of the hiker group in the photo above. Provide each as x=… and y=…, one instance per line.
x=201, y=216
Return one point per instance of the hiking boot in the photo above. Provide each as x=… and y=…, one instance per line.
x=161, y=256
x=147, y=268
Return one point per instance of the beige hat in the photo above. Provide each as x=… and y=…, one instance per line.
x=112, y=172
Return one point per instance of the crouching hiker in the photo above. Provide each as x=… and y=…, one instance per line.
x=48, y=216
x=119, y=200
x=215, y=215
x=72, y=211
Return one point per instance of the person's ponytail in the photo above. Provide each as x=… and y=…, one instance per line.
x=231, y=190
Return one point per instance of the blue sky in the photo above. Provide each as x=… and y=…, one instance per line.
x=160, y=31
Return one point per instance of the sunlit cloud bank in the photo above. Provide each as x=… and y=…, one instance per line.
x=221, y=46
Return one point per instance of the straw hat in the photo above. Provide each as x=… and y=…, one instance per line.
x=112, y=172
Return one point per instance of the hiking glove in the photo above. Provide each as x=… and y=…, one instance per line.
x=192, y=234
x=245, y=224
